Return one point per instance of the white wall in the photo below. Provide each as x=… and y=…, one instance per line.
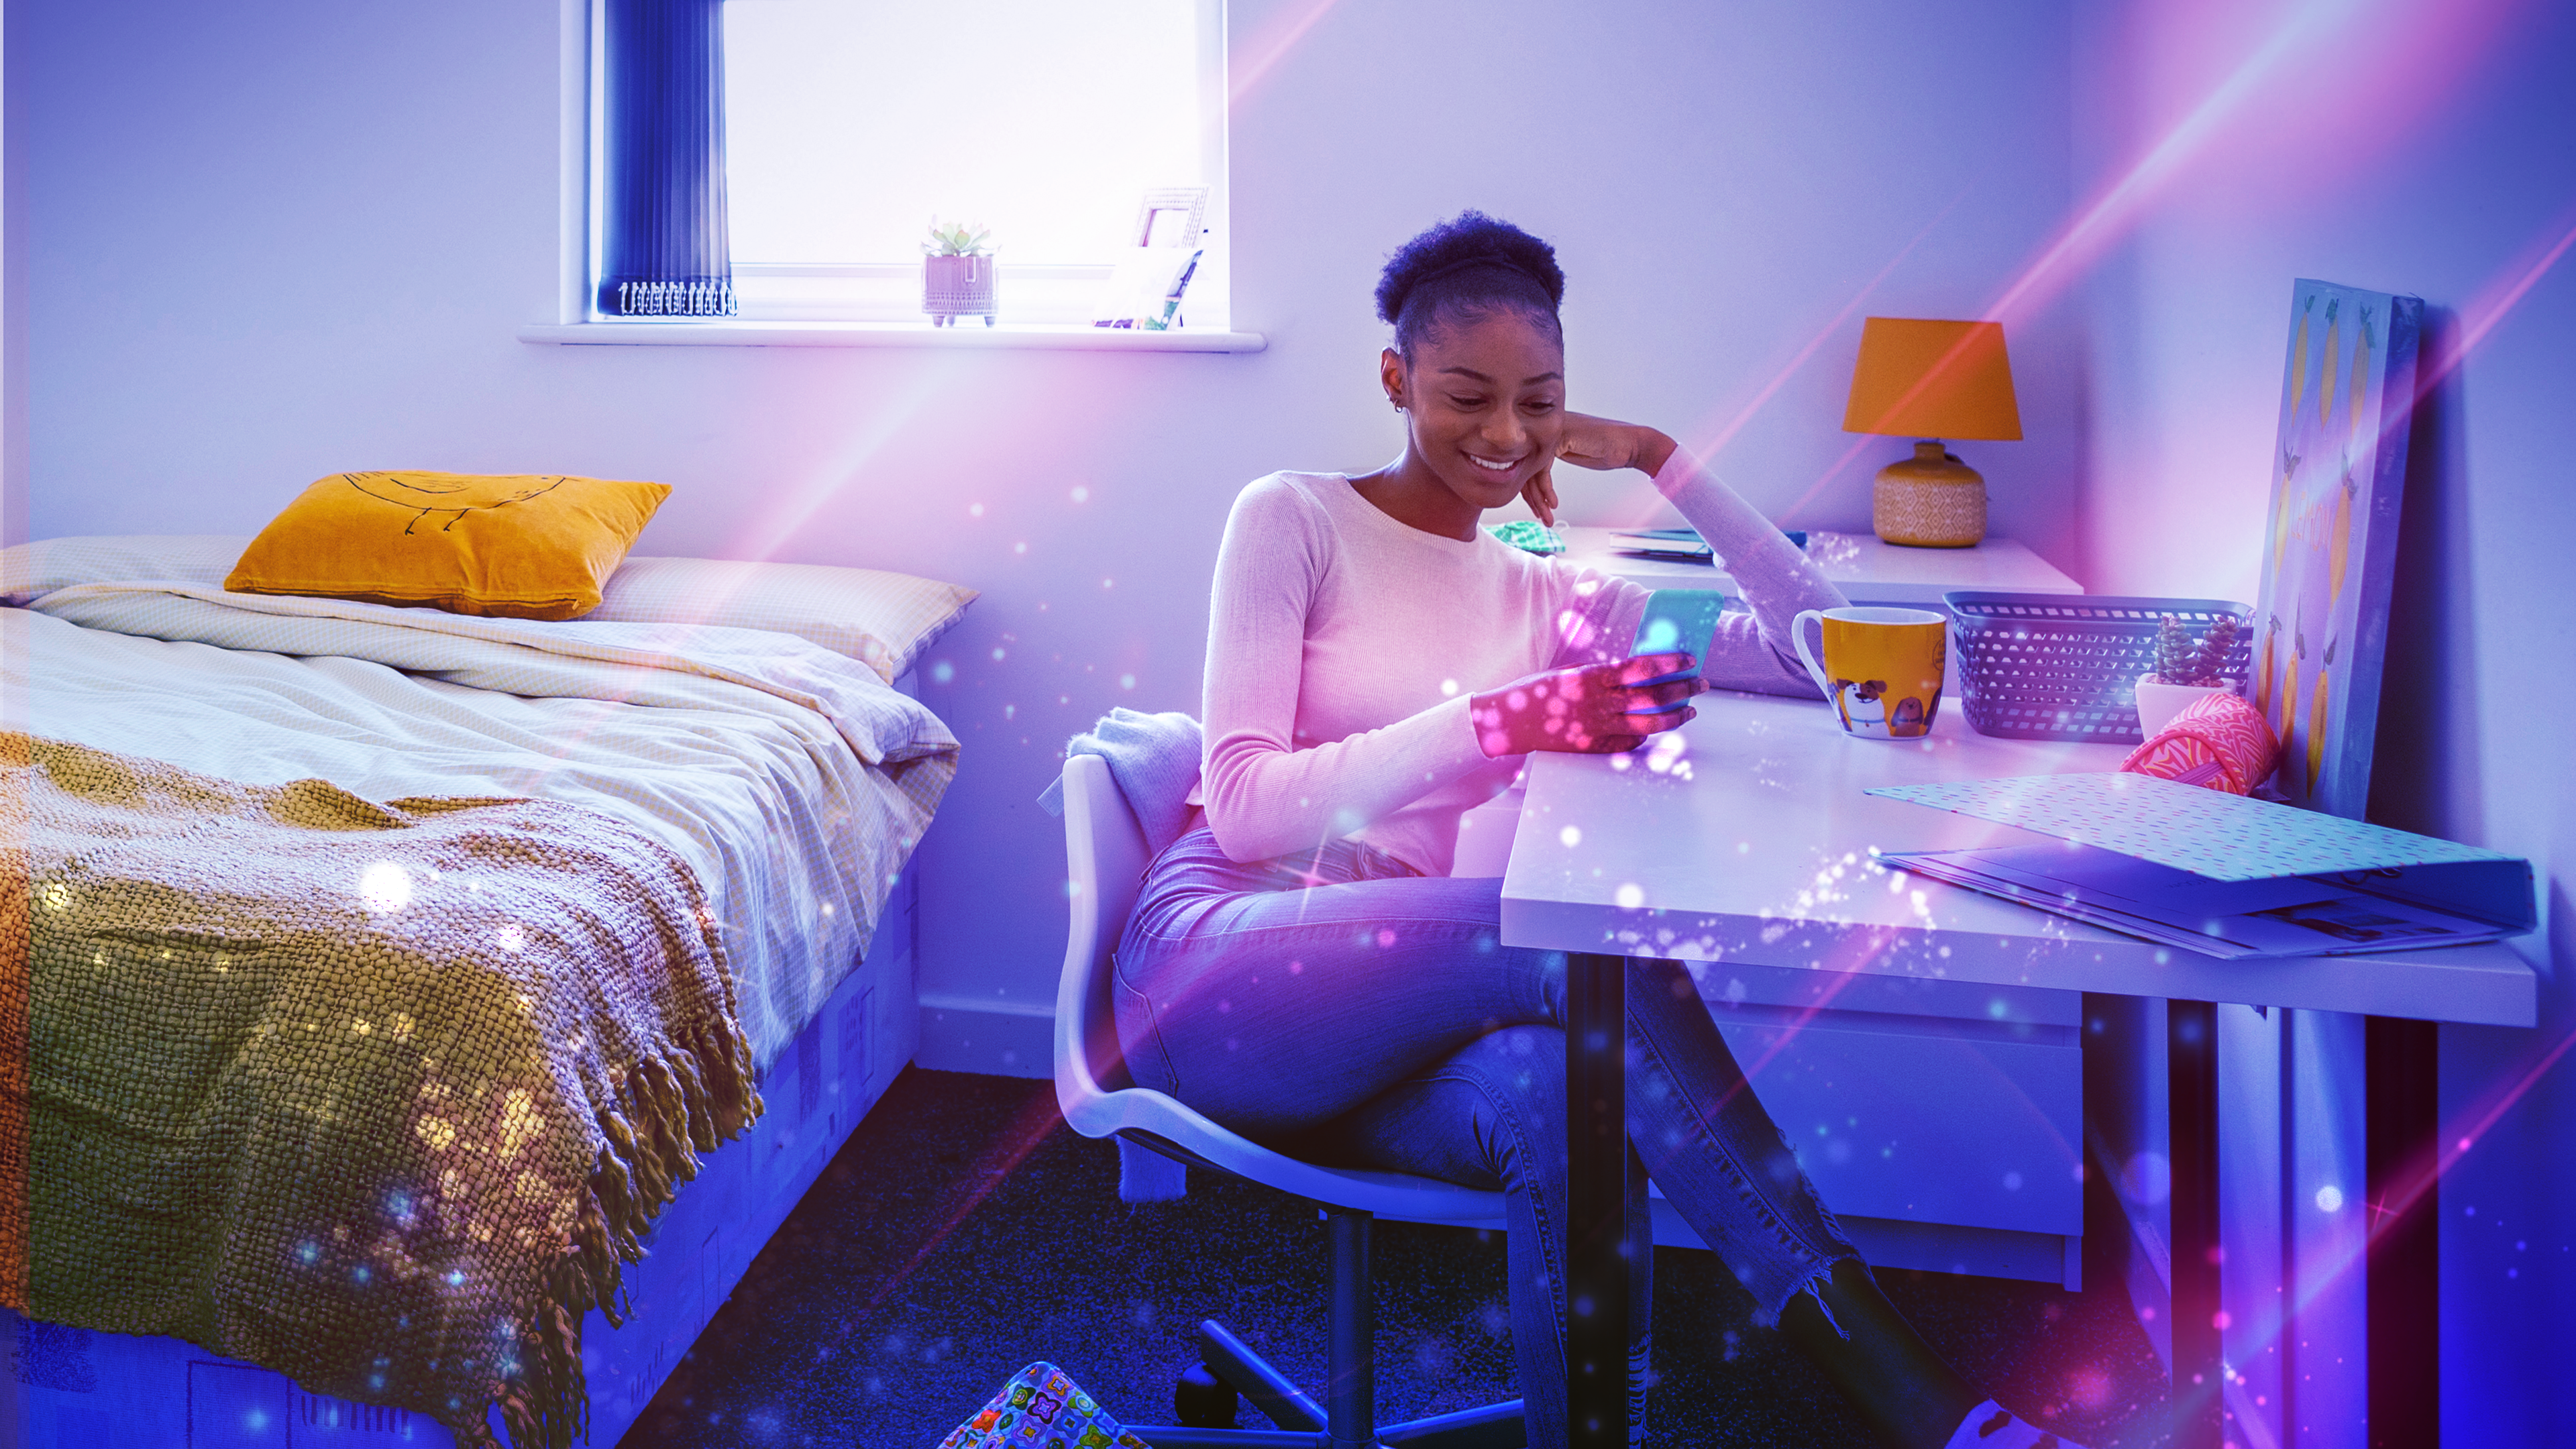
x=250, y=247
x=262, y=244
x=2406, y=146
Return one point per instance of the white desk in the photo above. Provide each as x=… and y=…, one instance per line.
x=1863, y=567
x=1749, y=850
x=1760, y=855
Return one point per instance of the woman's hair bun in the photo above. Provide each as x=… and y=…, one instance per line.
x=1454, y=246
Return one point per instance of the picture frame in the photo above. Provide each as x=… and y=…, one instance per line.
x=1170, y=216
x=1145, y=287
x=2330, y=548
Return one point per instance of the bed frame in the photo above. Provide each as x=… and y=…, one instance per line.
x=68, y=1388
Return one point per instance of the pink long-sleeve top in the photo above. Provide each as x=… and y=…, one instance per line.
x=1343, y=646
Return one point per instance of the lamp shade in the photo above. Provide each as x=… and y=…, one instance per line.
x=1925, y=379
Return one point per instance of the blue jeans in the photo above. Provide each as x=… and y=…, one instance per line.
x=1339, y=1005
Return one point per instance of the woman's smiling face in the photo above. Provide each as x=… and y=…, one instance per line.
x=1484, y=403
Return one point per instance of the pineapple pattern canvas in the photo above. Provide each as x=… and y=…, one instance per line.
x=2338, y=475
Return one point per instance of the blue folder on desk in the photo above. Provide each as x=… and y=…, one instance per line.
x=1680, y=545
x=2223, y=874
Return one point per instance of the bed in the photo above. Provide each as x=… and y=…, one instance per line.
x=741, y=720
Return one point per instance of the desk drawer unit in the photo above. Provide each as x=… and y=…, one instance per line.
x=1944, y=1126
x=1892, y=1124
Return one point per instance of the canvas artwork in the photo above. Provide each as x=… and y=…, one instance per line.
x=2338, y=474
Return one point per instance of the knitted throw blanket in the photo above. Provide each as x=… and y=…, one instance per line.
x=376, y=1096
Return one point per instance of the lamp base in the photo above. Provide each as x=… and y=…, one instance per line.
x=1931, y=500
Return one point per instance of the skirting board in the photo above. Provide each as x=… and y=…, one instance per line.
x=996, y=1038
x=74, y=1389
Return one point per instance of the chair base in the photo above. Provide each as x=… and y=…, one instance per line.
x=1231, y=1365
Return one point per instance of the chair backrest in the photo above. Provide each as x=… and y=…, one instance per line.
x=1105, y=860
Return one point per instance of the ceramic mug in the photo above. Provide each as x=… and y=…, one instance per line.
x=1881, y=667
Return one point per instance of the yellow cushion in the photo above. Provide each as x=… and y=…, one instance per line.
x=517, y=545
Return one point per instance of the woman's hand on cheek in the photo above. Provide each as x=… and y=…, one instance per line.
x=1597, y=709
x=1540, y=494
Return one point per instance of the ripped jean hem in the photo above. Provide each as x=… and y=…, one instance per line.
x=1813, y=1285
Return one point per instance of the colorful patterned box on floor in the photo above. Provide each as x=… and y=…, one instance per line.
x=1040, y=1408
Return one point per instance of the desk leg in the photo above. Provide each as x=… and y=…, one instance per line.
x=2191, y=1098
x=2402, y=1107
x=1596, y=1141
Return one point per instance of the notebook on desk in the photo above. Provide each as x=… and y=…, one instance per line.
x=1682, y=545
x=2223, y=874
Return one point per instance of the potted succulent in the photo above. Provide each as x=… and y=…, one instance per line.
x=2185, y=672
x=956, y=274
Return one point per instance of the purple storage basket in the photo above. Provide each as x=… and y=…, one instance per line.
x=2066, y=666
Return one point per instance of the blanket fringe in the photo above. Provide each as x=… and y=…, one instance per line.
x=692, y=1096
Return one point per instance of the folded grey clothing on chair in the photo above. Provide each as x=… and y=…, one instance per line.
x=1155, y=760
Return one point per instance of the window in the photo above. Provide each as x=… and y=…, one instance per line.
x=850, y=124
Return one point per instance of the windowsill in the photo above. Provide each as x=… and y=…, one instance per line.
x=733, y=332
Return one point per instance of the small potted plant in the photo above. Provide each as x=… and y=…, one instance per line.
x=956, y=274
x=2185, y=672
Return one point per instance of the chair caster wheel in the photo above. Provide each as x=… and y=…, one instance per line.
x=1201, y=1400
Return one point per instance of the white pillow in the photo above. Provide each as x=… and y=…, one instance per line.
x=882, y=619
x=29, y=571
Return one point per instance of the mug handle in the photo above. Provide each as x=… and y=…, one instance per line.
x=1798, y=637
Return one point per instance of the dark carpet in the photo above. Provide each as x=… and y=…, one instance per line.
x=964, y=1231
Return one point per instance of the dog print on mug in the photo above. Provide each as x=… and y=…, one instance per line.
x=1881, y=667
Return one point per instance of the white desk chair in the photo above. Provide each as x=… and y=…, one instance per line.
x=1105, y=858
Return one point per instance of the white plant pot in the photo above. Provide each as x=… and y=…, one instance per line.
x=2159, y=702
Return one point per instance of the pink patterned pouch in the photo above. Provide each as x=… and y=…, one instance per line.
x=2220, y=742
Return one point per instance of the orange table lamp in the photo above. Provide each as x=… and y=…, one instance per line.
x=1931, y=380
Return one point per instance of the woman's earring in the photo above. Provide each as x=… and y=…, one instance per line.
x=1396, y=402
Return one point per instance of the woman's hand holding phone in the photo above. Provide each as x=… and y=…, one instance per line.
x=1595, y=709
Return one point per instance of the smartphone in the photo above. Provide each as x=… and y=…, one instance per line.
x=1677, y=620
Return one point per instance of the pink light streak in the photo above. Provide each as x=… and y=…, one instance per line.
x=2327, y=87
x=1711, y=444
x=2322, y=87
x=763, y=534
x=887, y=412
x=2458, y=1142
x=1855, y=952
x=2413, y=1181
x=2490, y=308
x=1260, y=53
x=1849, y=957
x=1009, y=1151
x=2116, y=207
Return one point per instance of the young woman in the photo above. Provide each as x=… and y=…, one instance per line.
x=1301, y=967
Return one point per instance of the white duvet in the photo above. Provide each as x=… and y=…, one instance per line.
x=790, y=778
